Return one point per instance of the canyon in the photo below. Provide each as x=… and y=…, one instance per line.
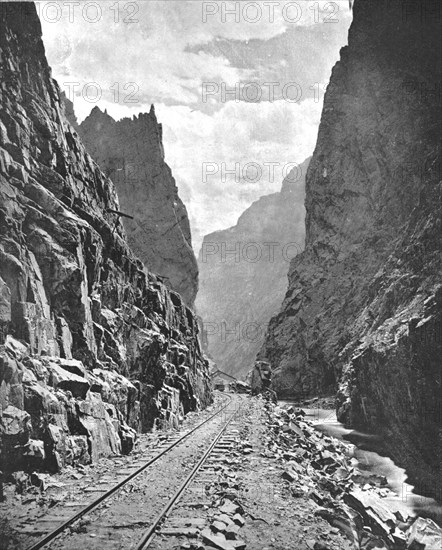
x=362, y=314
x=243, y=273
x=331, y=287
x=94, y=347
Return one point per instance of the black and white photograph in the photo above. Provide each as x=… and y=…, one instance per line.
x=220, y=275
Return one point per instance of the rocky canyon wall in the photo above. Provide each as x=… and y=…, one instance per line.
x=131, y=153
x=93, y=346
x=243, y=273
x=362, y=314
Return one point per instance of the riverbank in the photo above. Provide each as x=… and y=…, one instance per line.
x=372, y=457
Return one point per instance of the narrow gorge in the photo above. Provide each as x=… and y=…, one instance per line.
x=243, y=273
x=283, y=391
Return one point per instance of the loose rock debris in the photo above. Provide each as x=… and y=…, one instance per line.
x=322, y=468
x=288, y=479
x=274, y=482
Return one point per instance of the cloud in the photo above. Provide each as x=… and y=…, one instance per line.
x=227, y=160
x=150, y=53
x=293, y=65
x=166, y=54
x=168, y=50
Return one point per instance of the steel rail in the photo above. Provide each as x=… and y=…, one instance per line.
x=149, y=535
x=62, y=527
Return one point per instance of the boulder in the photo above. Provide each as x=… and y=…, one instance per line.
x=65, y=380
x=11, y=378
x=218, y=540
x=149, y=409
x=55, y=445
x=376, y=512
x=39, y=480
x=73, y=366
x=77, y=450
x=424, y=534
x=38, y=368
x=16, y=348
x=340, y=518
x=21, y=481
x=43, y=406
x=117, y=390
x=93, y=418
x=128, y=437
x=15, y=427
x=34, y=453
x=260, y=377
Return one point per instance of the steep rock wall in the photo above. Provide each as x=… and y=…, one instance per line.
x=93, y=346
x=243, y=273
x=363, y=310
x=131, y=153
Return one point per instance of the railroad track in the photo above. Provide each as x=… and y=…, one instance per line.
x=104, y=500
x=203, y=462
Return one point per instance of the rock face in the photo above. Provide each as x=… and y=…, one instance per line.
x=93, y=347
x=243, y=273
x=260, y=377
x=131, y=153
x=362, y=315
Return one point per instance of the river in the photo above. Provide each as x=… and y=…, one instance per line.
x=405, y=498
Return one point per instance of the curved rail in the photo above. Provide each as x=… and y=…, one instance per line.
x=63, y=526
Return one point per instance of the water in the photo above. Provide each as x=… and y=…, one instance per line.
x=405, y=498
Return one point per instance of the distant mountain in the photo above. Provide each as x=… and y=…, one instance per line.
x=243, y=274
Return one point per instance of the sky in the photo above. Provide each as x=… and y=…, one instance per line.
x=237, y=86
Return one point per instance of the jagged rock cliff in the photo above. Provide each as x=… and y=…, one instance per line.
x=363, y=310
x=131, y=153
x=243, y=273
x=92, y=345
